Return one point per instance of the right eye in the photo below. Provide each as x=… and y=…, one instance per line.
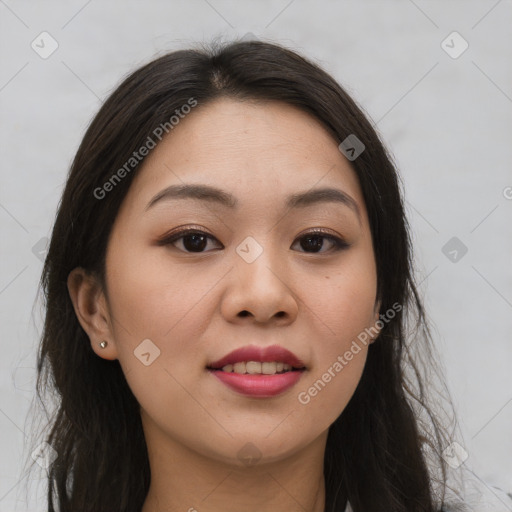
x=193, y=240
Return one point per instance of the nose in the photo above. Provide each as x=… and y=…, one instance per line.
x=262, y=290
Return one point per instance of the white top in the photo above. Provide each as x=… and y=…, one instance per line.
x=479, y=496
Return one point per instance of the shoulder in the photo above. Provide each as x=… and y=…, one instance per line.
x=455, y=507
x=480, y=496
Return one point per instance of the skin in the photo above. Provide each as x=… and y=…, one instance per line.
x=314, y=302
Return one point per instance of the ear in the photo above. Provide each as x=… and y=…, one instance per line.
x=91, y=310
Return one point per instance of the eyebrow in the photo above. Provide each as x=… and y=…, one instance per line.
x=213, y=194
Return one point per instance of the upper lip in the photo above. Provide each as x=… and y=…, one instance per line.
x=261, y=354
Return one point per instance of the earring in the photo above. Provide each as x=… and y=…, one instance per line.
x=103, y=344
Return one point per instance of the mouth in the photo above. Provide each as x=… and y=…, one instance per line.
x=258, y=372
x=253, y=359
x=258, y=368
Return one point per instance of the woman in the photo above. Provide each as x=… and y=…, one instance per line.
x=232, y=319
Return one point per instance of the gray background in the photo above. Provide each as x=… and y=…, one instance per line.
x=447, y=122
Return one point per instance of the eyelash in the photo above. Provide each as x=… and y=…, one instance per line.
x=338, y=243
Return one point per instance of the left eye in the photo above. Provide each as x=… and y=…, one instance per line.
x=195, y=241
x=314, y=239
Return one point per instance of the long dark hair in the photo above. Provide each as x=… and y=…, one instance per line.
x=379, y=449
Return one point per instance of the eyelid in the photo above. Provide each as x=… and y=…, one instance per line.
x=180, y=231
x=321, y=231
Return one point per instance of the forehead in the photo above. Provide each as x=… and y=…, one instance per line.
x=261, y=152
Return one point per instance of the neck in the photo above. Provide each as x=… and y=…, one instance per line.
x=184, y=480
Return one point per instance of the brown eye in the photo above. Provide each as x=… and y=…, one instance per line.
x=194, y=241
x=315, y=241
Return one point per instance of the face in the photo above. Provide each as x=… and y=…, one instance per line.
x=259, y=266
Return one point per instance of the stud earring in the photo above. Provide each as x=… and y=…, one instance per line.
x=103, y=344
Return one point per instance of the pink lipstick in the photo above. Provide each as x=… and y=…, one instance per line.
x=258, y=372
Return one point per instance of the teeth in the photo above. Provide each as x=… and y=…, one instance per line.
x=268, y=368
x=239, y=367
x=255, y=368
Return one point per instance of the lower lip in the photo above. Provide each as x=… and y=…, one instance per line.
x=259, y=385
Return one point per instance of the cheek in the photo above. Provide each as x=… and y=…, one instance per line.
x=149, y=302
x=344, y=301
x=343, y=310
x=152, y=298
x=325, y=394
x=342, y=317
x=168, y=306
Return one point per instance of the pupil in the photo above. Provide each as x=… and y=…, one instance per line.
x=318, y=243
x=199, y=242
